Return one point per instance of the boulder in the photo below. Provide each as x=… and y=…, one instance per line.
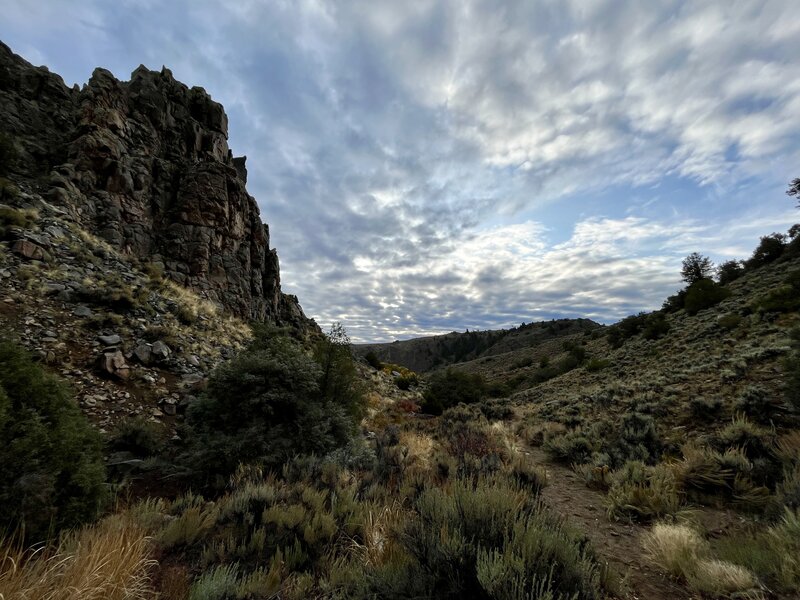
x=160, y=351
x=109, y=340
x=112, y=362
x=143, y=353
x=27, y=249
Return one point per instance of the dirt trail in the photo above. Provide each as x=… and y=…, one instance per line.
x=615, y=542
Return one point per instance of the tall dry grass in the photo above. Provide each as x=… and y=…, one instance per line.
x=110, y=560
x=684, y=553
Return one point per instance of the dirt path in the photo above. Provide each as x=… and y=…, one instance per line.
x=615, y=542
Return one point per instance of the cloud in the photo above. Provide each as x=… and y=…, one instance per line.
x=442, y=164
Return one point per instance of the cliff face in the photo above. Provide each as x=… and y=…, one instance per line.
x=145, y=165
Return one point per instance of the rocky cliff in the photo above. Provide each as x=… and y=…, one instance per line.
x=145, y=165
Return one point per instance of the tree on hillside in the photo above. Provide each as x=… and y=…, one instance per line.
x=273, y=401
x=729, y=270
x=770, y=248
x=696, y=267
x=794, y=188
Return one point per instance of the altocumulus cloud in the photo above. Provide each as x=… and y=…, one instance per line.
x=433, y=165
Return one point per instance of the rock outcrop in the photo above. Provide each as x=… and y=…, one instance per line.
x=145, y=166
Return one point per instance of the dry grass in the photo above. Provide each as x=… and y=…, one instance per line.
x=420, y=450
x=675, y=548
x=718, y=577
x=188, y=300
x=107, y=561
x=379, y=545
x=682, y=552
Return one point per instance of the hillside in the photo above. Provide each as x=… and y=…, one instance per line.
x=430, y=352
x=132, y=255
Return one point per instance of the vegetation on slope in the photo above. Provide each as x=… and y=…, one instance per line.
x=51, y=467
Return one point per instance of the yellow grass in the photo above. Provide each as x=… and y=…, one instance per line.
x=718, y=577
x=675, y=548
x=682, y=551
x=107, y=561
x=419, y=450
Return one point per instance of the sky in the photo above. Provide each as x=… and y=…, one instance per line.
x=431, y=166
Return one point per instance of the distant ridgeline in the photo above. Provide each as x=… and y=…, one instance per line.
x=426, y=353
x=145, y=166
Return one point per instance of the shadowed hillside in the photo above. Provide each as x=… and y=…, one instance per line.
x=427, y=353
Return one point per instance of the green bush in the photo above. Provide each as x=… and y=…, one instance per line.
x=785, y=298
x=759, y=404
x=704, y=408
x=492, y=540
x=597, y=364
x=138, y=436
x=642, y=493
x=769, y=249
x=656, y=326
x=791, y=369
x=570, y=447
x=652, y=326
x=451, y=387
x=704, y=294
x=404, y=382
x=729, y=322
x=373, y=360
x=273, y=401
x=51, y=463
x=730, y=271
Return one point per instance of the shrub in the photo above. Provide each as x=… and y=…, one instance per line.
x=373, y=360
x=785, y=298
x=271, y=402
x=8, y=190
x=785, y=537
x=451, y=387
x=491, y=540
x=51, y=464
x=704, y=294
x=138, y=436
x=758, y=404
x=639, y=492
x=114, y=294
x=681, y=551
x=108, y=561
x=17, y=217
x=404, y=382
x=729, y=271
x=597, y=364
x=625, y=329
x=570, y=447
x=675, y=302
x=656, y=326
x=791, y=369
x=636, y=438
x=729, y=322
x=704, y=408
x=769, y=249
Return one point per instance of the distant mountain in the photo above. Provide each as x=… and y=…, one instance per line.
x=427, y=353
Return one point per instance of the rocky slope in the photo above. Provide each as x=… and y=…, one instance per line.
x=145, y=166
x=131, y=255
